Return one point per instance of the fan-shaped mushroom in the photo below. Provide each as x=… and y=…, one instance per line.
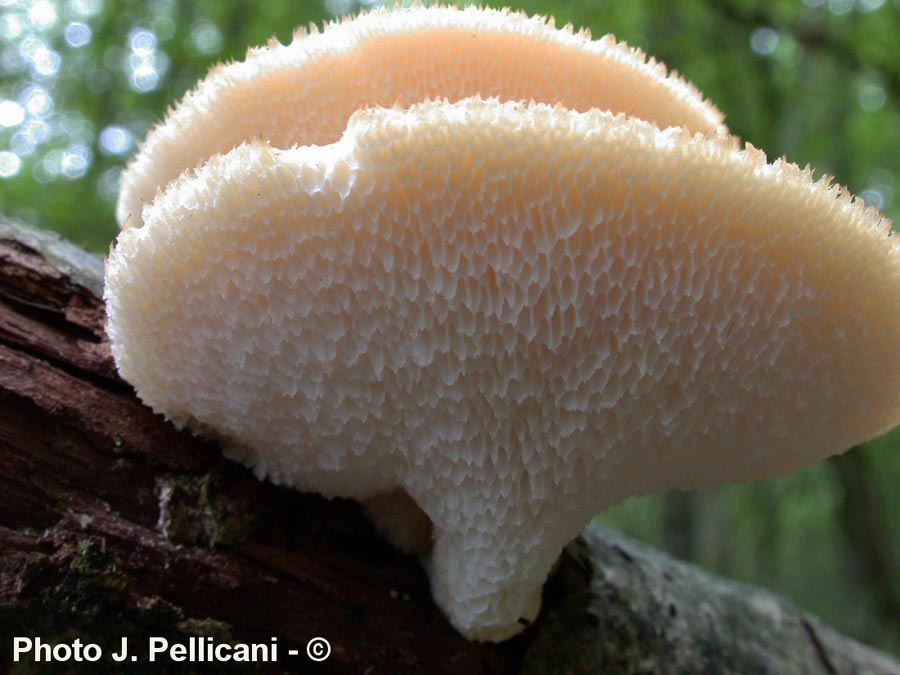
x=517, y=313
x=304, y=93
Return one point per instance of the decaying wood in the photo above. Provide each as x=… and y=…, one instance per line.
x=113, y=523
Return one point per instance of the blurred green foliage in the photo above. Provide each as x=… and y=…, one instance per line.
x=81, y=81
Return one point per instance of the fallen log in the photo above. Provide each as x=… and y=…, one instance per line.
x=114, y=524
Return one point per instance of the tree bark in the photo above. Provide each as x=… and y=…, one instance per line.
x=114, y=524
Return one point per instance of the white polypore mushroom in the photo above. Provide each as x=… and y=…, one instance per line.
x=518, y=314
x=304, y=93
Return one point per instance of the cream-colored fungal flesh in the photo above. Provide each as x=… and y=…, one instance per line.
x=519, y=314
x=304, y=93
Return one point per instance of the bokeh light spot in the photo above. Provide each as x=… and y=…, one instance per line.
x=108, y=183
x=76, y=160
x=116, y=140
x=337, y=7
x=36, y=100
x=142, y=42
x=872, y=197
x=11, y=114
x=11, y=26
x=42, y=14
x=764, y=41
x=77, y=34
x=9, y=164
x=144, y=78
x=206, y=38
x=84, y=8
x=872, y=97
x=840, y=7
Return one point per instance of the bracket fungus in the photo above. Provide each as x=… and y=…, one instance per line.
x=515, y=313
x=303, y=93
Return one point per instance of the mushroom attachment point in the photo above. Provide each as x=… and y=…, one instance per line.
x=510, y=315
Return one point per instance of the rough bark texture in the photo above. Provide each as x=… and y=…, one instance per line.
x=113, y=523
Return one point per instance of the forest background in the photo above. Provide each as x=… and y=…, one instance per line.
x=817, y=81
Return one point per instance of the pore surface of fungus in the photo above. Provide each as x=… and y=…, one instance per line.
x=304, y=93
x=518, y=314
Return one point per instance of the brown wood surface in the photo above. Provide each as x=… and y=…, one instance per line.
x=114, y=523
